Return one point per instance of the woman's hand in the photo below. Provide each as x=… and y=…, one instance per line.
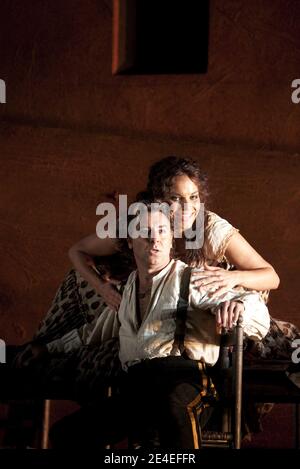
x=215, y=278
x=107, y=290
x=228, y=313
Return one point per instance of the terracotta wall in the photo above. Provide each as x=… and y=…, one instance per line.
x=71, y=133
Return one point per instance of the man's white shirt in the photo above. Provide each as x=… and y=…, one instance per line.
x=154, y=337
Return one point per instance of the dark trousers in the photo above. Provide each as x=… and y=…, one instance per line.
x=169, y=395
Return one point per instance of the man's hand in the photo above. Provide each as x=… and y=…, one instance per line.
x=228, y=313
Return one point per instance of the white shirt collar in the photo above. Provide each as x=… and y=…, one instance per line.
x=156, y=277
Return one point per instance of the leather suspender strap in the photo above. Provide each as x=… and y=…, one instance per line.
x=181, y=312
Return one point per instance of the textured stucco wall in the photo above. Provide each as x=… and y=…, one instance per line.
x=56, y=59
x=71, y=133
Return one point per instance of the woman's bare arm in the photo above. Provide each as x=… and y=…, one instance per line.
x=82, y=254
x=252, y=272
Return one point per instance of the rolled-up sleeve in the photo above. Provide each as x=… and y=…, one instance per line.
x=256, y=318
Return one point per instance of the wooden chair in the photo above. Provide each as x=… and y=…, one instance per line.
x=257, y=381
x=228, y=378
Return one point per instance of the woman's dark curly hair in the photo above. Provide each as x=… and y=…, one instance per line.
x=161, y=175
x=160, y=180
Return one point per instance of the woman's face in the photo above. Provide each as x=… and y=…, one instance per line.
x=184, y=195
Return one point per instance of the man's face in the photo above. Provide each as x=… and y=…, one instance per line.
x=153, y=249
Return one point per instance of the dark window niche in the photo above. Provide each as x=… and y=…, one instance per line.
x=160, y=36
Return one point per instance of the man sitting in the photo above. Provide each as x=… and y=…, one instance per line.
x=169, y=333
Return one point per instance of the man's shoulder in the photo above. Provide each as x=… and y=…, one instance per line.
x=180, y=270
x=179, y=266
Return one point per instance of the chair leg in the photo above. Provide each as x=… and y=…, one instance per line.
x=297, y=423
x=109, y=394
x=238, y=386
x=226, y=420
x=46, y=424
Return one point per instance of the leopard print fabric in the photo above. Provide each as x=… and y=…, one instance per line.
x=276, y=345
x=83, y=373
x=74, y=305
